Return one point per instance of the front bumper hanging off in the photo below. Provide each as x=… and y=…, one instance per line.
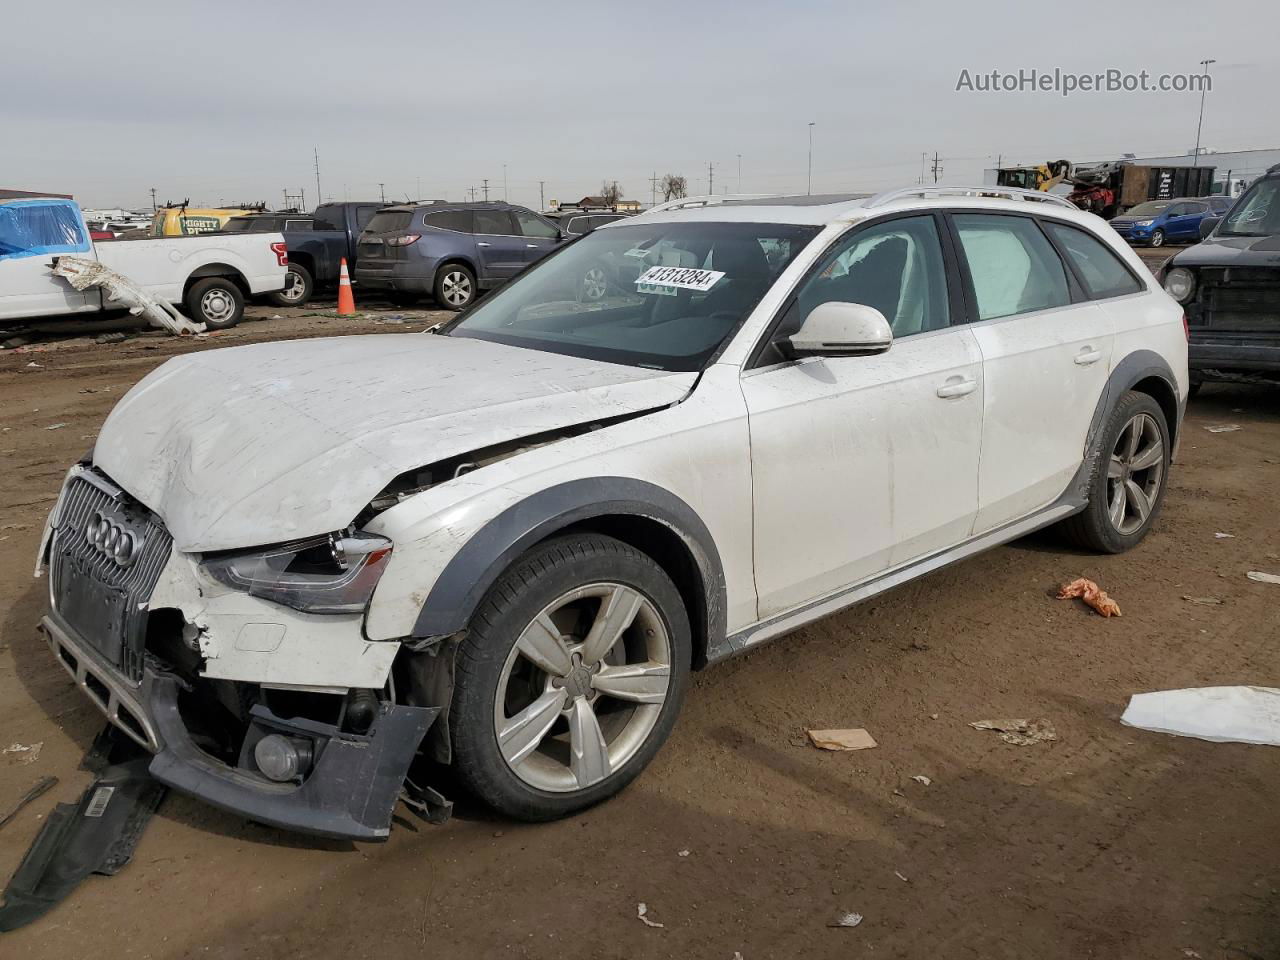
x=349, y=792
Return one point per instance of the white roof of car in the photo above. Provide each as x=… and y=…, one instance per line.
x=823, y=209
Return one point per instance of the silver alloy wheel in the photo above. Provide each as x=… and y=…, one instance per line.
x=1134, y=474
x=217, y=306
x=594, y=284
x=294, y=288
x=456, y=288
x=583, y=687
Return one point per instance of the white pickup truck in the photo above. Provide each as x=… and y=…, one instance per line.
x=209, y=277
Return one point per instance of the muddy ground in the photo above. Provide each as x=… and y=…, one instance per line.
x=1108, y=843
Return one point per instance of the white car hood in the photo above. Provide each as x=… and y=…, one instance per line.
x=258, y=444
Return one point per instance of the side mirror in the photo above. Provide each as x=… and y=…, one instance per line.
x=836, y=329
x=1207, y=226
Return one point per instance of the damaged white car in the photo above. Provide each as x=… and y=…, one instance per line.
x=504, y=547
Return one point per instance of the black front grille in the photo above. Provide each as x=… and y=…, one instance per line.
x=1238, y=300
x=101, y=600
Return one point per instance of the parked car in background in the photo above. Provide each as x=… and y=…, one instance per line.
x=507, y=546
x=577, y=223
x=451, y=251
x=179, y=220
x=1229, y=284
x=317, y=244
x=1158, y=222
x=209, y=275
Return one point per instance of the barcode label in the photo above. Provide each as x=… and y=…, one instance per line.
x=98, y=803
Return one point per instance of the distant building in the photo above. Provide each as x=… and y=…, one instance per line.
x=22, y=194
x=600, y=203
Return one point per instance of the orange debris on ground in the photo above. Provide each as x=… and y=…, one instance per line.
x=1091, y=594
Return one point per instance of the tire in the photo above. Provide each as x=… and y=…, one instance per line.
x=1157, y=237
x=216, y=302
x=498, y=682
x=299, y=283
x=1096, y=527
x=455, y=287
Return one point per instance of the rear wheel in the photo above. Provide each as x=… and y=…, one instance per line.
x=216, y=302
x=455, y=286
x=569, y=679
x=298, y=286
x=1127, y=485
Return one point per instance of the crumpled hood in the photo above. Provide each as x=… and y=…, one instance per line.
x=254, y=445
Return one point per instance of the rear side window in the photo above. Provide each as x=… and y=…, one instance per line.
x=578, y=226
x=29, y=229
x=1013, y=267
x=532, y=226
x=364, y=213
x=327, y=218
x=494, y=222
x=1103, y=273
x=389, y=221
x=297, y=224
x=457, y=220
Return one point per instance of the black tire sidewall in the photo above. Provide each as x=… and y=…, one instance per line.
x=437, y=288
x=1100, y=532
x=304, y=277
x=546, y=572
x=200, y=288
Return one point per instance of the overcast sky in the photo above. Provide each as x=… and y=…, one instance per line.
x=225, y=101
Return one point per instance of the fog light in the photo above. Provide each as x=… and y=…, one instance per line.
x=282, y=758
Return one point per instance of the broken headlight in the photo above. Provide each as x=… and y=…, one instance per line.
x=335, y=573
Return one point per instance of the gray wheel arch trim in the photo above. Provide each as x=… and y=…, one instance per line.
x=473, y=570
x=1133, y=369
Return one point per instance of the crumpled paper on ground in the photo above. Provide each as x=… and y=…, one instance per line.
x=1021, y=733
x=1218, y=714
x=1092, y=594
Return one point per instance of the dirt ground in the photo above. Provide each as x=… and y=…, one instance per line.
x=742, y=838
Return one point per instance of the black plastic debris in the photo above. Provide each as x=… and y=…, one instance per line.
x=96, y=835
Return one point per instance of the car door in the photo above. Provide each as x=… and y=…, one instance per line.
x=863, y=463
x=32, y=234
x=499, y=246
x=1046, y=355
x=1189, y=220
x=540, y=236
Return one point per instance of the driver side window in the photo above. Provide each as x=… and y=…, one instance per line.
x=895, y=266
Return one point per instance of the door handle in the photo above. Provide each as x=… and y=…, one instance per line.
x=531, y=246
x=1087, y=356
x=954, y=387
x=481, y=243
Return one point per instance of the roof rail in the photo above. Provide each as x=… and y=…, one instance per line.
x=710, y=200
x=1007, y=193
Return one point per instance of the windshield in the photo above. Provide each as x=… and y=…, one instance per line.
x=660, y=295
x=1152, y=208
x=1257, y=213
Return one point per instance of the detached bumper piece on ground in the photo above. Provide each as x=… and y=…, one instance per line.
x=96, y=835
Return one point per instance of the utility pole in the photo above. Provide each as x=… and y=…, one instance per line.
x=153, y=200
x=924, y=166
x=473, y=194
x=382, y=189
x=1195, y=161
x=653, y=189
x=542, y=196
x=937, y=167
x=504, y=183
x=485, y=187
x=810, y=188
x=711, y=177
x=739, y=173
x=319, y=195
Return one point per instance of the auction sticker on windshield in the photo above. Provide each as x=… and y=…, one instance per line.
x=669, y=280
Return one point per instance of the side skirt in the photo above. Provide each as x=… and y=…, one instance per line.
x=798, y=617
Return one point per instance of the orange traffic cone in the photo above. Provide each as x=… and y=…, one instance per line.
x=346, y=302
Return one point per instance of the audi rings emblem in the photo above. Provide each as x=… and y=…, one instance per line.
x=111, y=538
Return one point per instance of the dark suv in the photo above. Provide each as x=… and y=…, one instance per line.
x=1229, y=284
x=450, y=250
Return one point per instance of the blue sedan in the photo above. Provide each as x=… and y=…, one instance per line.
x=1158, y=222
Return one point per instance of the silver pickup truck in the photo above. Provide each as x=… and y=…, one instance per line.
x=208, y=277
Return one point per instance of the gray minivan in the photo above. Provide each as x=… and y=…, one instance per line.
x=450, y=250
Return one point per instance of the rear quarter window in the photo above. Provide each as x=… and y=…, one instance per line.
x=1103, y=272
x=458, y=221
x=389, y=221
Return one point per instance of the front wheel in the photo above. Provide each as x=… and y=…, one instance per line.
x=216, y=302
x=569, y=679
x=1157, y=238
x=1128, y=480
